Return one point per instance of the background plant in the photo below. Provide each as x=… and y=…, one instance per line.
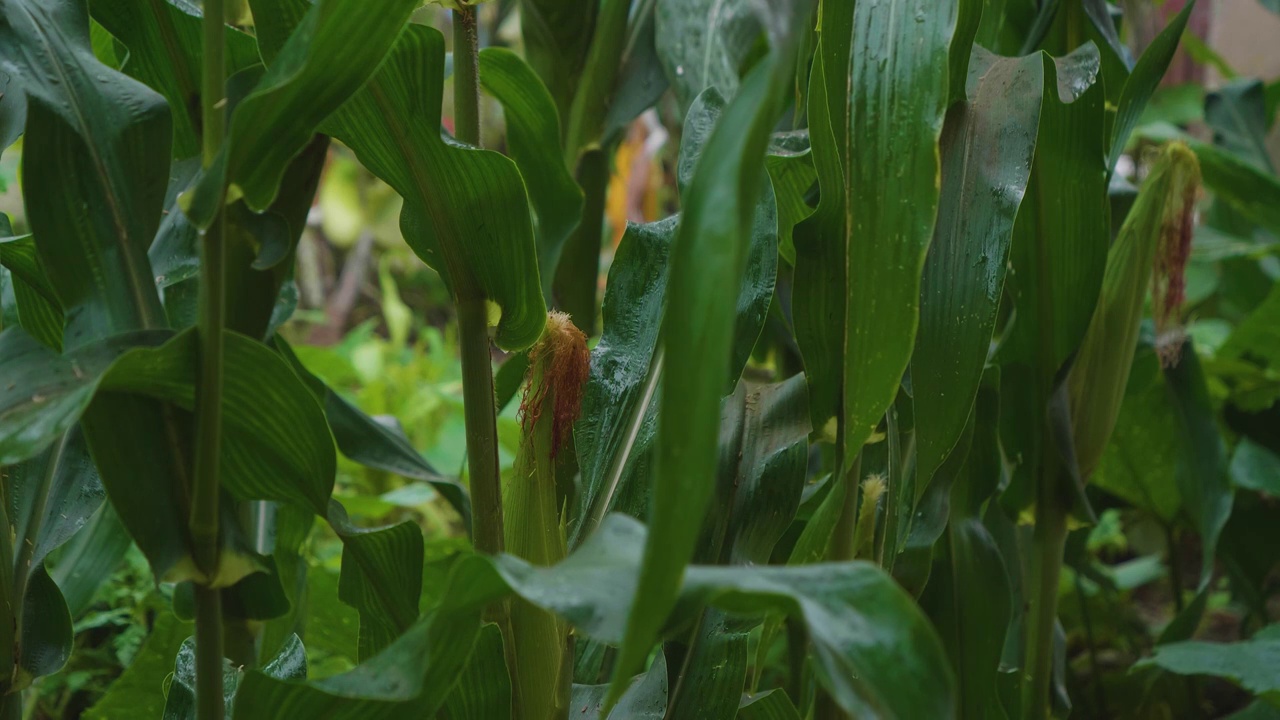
x=934, y=373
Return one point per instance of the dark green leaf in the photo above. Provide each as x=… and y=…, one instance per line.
x=556, y=37
x=1252, y=193
x=96, y=161
x=289, y=664
x=393, y=125
x=856, y=300
x=316, y=70
x=710, y=253
x=163, y=39
x=381, y=578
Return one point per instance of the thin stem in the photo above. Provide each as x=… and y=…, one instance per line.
x=1047, y=544
x=212, y=319
x=482, y=430
x=466, y=94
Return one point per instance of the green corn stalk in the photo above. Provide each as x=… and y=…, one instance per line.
x=1153, y=243
x=538, y=655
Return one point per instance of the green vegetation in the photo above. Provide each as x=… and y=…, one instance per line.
x=936, y=372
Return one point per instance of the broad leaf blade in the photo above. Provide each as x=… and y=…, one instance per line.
x=987, y=148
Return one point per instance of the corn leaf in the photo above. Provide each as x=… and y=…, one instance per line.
x=314, y=72
x=533, y=140
x=987, y=148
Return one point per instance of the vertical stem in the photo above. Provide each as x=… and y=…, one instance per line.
x=1047, y=544
x=466, y=95
x=843, y=539
x=205, y=480
x=480, y=411
x=481, y=423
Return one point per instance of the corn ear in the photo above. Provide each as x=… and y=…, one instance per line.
x=1151, y=249
x=558, y=366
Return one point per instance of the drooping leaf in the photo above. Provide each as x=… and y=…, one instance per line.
x=96, y=163
x=316, y=70
x=393, y=125
x=1058, y=253
x=987, y=147
x=533, y=140
x=791, y=171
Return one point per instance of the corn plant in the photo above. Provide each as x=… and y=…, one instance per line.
x=821, y=450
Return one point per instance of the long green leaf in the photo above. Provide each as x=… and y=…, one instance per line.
x=710, y=253
x=704, y=44
x=1058, y=253
x=987, y=147
x=620, y=403
x=1142, y=82
x=860, y=256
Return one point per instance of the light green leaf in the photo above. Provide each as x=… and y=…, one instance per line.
x=1251, y=664
x=483, y=691
x=533, y=141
